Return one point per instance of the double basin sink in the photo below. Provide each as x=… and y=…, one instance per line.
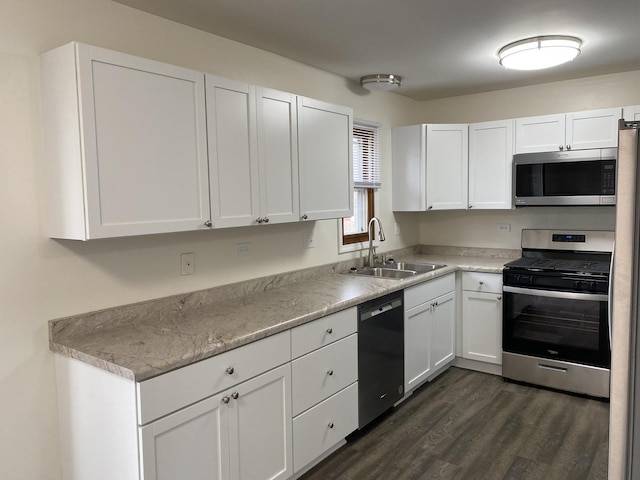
x=396, y=270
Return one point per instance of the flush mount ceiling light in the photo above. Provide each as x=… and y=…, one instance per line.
x=380, y=82
x=539, y=52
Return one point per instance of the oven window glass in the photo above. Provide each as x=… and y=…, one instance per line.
x=557, y=321
x=573, y=178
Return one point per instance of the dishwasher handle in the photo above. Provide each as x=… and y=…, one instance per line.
x=380, y=309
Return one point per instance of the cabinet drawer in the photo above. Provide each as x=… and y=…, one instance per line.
x=482, y=282
x=323, y=372
x=323, y=426
x=174, y=390
x=323, y=331
x=414, y=296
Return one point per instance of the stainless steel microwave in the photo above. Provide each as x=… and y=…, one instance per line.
x=577, y=177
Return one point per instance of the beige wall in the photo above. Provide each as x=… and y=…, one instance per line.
x=41, y=279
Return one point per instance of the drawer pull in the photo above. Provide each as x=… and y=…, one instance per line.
x=330, y=425
x=481, y=282
x=225, y=399
x=329, y=330
x=235, y=395
x=230, y=370
x=499, y=298
x=330, y=372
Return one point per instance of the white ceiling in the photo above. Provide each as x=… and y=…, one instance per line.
x=440, y=48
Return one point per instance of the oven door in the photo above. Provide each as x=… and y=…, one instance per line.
x=567, y=326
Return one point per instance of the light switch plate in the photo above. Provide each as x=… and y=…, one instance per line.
x=187, y=264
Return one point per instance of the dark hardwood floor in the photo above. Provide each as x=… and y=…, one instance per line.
x=471, y=425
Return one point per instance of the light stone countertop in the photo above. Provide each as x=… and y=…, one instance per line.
x=144, y=340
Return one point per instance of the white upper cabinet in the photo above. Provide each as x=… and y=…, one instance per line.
x=490, y=160
x=430, y=167
x=631, y=114
x=253, y=154
x=447, y=164
x=233, y=156
x=278, y=156
x=125, y=144
x=571, y=131
x=325, y=160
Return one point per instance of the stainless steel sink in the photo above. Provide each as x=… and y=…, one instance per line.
x=396, y=270
x=416, y=267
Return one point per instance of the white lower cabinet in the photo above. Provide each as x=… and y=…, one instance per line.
x=241, y=434
x=482, y=317
x=325, y=387
x=325, y=425
x=429, y=329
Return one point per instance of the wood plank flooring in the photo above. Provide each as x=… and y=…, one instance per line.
x=471, y=425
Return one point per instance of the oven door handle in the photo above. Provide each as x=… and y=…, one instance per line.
x=596, y=297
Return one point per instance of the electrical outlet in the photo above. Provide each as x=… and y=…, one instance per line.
x=307, y=240
x=187, y=264
x=243, y=249
x=504, y=227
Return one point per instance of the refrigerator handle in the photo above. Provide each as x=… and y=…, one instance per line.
x=610, y=302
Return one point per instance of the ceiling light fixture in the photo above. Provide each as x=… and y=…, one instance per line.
x=380, y=82
x=539, y=52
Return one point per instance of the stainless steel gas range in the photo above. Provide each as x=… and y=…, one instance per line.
x=556, y=318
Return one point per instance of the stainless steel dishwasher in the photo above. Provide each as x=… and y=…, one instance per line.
x=380, y=355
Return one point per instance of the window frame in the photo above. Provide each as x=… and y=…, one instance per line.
x=359, y=241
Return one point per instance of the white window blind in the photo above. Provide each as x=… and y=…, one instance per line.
x=366, y=158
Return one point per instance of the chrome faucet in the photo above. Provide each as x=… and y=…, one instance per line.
x=372, y=250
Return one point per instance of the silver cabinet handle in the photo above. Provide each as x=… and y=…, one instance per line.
x=499, y=298
x=330, y=425
x=265, y=219
x=329, y=330
x=207, y=223
x=470, y=206
x=481, y=282
x=225, y=399
x=235, y=395
x=230, y=370
x=568, y=147
x=330, y=372
x=259, y=220
x=430, y=207
x=304, y=217
x=561, y=147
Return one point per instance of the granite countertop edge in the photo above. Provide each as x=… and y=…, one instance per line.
x=162, y=341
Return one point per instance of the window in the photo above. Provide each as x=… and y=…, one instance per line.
x=366, y=178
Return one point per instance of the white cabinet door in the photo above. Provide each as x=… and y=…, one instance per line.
x=409, y=168
x=490, y=160
x=482, y=326
x=593, y=129
x=571, y=131
x=241, y=434
x=540, y=134
x=191, y=443
x=447, y=166
x=233, y=160
x=125, y=144
x=417, y=345
x=277, y=123
x=325, y=160
x=260, y=427
x=443, y=331
x=632, y=114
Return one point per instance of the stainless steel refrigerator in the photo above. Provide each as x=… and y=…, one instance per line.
x=624, y=429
